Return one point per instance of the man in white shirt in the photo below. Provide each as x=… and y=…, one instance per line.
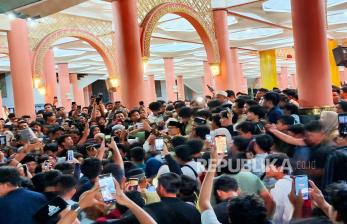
x=278, y=167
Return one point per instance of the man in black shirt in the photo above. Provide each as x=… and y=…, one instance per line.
x=170, y=209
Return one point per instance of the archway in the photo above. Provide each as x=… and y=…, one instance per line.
x=205, y=32
x=43, y=47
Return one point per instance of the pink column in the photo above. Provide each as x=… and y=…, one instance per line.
x=180, y=87
x=225, y=80
x=86, y=96
x=170, y=79
x=283, y=81
x=343, y=76
x=311, y=53
x=77, y=93
x=152, y=95
x=207, y=79
x=236, y=72
x=127, y=37
x=1, y=107
x=50, y=77
x=293, y=81
x=64, y=83
x=244, y=84
x=22, y=82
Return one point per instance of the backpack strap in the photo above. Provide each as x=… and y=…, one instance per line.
x=195, y=173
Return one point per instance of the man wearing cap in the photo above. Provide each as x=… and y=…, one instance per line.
x=222, y=97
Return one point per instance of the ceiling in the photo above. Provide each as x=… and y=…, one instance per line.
x=254, y=25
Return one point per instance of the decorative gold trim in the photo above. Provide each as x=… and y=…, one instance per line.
x=151, y=20
x=45, y=44
x=316, y=110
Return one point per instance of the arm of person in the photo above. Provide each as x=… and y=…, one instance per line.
x=87, y=199
x=171, y=163
x=287, y=138
x=207, y=185
x=85, y=135
x=318, y=198
x=141, y=215
x=269, y=203
x=93, y=114
x=101, y=151
x=118, y=160
x=208, y=216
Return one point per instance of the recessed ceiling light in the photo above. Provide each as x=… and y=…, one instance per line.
x=11, y=15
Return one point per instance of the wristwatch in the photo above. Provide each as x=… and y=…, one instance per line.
x=76, y=207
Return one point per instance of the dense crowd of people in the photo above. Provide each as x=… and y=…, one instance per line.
x=226, y=158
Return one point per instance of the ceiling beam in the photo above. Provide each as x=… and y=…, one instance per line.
x=244, y=4
x=259, y=20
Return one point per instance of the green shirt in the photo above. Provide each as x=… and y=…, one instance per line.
x=248, y=182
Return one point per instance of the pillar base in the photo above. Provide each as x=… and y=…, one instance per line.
x=316, y=110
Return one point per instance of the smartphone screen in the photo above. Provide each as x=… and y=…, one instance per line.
x=159, y=144
x=3, y=140
x=50, y=210
x=221, y=143
x=107, y=187
x=70, y=155
x=301, y=184
x=107, y=139
x=343, y=124
x=208, y=138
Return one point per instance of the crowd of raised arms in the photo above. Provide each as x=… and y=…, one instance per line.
x=226, y=158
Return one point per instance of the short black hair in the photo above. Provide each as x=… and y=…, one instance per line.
x=287, y=120
x=279, y=160
x=240, y=102
x=53, y=147
x=51, y=177
x=195, y=145
x=137, y=153
x=297, y=129
x=185, y=112
x=273, y=97
x=184, y=152
x=91, y=167
x=213, y=104
x=343, y=105
x=188, y=189
x=292, y=108
x=265, y=142
x=133, y=111
x=65, y=168
x=247, y=209
x=65, y=183
x=178, y=140
x=339, y=200
x=9, y=175
x=314, y=126
x=202, y=130
x=61, y=139
x=47, y=115
x=257, y=110
x=216, y=120
x=154, y=106
x=171, y=182
x=203, y=113
x=263, y=90
x=230, y=93
x=241, y=143
x=225, y=183
x=246, y=127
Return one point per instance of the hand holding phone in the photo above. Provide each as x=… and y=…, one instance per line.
x=301, y=185
x=159, y=144
x=107, y=139
x=221, y=144
x=70, y=155
x=107, y=188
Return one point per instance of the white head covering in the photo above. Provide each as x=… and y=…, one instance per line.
x=222, y=131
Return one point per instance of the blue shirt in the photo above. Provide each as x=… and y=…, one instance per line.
x=274, y=114
x=19, y=206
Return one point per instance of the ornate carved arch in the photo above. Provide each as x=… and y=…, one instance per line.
x=205, y=32
x=44, y=45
